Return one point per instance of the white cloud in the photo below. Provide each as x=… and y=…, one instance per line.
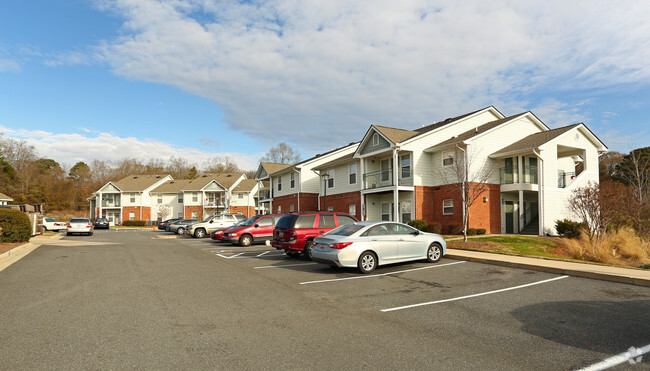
x=71, y=148
x=315, y=72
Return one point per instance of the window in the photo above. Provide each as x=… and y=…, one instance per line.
x=305, y=221
x=447, y=159
x=352, y=209
x=330, y=181
x=195, y=197
x=265, y=222
x=279, y=209
x=378, y=230
x=330, y=208
x=279, y=183
x=131, y=216
x=400, y=229
x=195, y=215
x=352, y=170
x=326, y=221
x=406, y=166
x=180, y=198
x=291, y=208
x=240, y=195
x=180, y=214
x=293, y=180
x=132, y=198
x=159, y=199
x=344, y=219
x=375, y=139
x=406, y=211
x=447, y=207
x=385, y=211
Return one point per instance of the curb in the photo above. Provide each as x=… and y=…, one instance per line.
x=587, y=272
x=20, y=251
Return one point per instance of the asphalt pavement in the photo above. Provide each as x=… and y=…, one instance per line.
x=124, y=299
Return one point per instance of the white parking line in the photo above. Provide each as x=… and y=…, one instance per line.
x=379, y=275
x=474, y=295
x=230, y=257
x=283, y=265
x=264, y=253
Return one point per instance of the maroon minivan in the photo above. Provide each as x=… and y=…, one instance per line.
x=295, y=232
x=256, y=229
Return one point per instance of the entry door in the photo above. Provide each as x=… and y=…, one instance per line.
x=510, y=216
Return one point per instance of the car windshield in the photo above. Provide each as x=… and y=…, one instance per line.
x=79, y=220
x=101, y=219
x=208, y=218
x=249, y=222
x=50, y=220
x=241, y=222
x=345, y=230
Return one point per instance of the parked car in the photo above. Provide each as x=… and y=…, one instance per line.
x=100, y=223
x=162, y=226
x=256, y=229
x=50, y=224
x=217, y=234
x=209, y=224
x=366, y=245
x=295, y=232
x=79, y=225
x=180, y=226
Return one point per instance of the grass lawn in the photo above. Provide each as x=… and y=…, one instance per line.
x=513, y=245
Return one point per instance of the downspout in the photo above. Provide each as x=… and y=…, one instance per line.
x=395, y=186
x=319, y=182
x=465, y=222
x=299, y=188
x=540, y=196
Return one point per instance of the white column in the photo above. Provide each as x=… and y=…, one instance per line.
x=362, y=184
x=395, y=185
x=521, y=210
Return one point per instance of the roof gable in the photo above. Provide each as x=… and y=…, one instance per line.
x=534, y=140
x=265, y=169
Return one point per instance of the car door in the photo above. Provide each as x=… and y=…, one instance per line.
x=264, y=229
x=383, y=242
x=410, y=244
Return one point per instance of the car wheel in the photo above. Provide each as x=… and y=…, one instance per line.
x=307, y=250
x=90, y=233
x=180, y=230
x=44, y=229
x=245, y=240
x=199, y=233
x=434, y=253
x=367, y=262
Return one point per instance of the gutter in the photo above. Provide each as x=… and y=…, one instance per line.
x=541, y=189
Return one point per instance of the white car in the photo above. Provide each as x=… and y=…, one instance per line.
x=79, y=225
x=366, y=245
x=50, y=224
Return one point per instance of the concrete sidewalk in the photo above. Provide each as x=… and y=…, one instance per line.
x=601, y=272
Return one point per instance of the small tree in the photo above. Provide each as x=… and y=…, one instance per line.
x=585, y=203
x=469, y=178
x=634, y=171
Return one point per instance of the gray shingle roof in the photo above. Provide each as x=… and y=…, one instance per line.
x=535, y=140
x=245, y=185
x=137, y=183
x=476, y=131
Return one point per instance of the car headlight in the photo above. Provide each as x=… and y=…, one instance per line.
x=232, y=234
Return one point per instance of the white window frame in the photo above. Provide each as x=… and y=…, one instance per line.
x=447, y=204
x=180, y=198
x=160, y=199
x=131, y=216
x=375, y=139
x=448, y=156
x=280, y=183
x=291, y=208
x=279, y=209
x=240, y=195
x=132, y=198
x=352, y=173
x=293, y=180
x=388, y=214
x=330, y=181
x=195, y=197
x=352, y=209
x=402, y=167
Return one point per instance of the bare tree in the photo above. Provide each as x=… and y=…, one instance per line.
x=634, y=171
x=178, y=167
x=282, y=153
x=219, y=164
x=469, y=178
x=586, y=203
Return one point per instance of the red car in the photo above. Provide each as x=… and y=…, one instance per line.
x=217, y=234
x=295, y=232
x=256, y=229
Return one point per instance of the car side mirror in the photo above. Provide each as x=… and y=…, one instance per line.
x=211, y=220
x=257, y=225
x=416, y=233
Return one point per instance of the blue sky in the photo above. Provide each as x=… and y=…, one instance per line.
x=106, y=79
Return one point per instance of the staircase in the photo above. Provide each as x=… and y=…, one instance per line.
x=532, y=228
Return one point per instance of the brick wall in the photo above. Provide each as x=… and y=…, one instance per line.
x=188, y=212
x=146, y=212
x=247, y=211
x=308, y=202
x=424, y=203
x=481, y=214
x=444, y=192
x=340, y=202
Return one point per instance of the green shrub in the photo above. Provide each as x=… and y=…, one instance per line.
x=568, y=228
x=418, y=224
x=434, y=228
x=481, y=231
x=134, y=223
x=15, y=225
x=472, y=231
x=455, y=229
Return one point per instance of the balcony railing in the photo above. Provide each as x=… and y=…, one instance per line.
x=564, y=178
x=214, y=204
x=384, y=178
x=111, y=203
x=510, y=175
x=265, y=195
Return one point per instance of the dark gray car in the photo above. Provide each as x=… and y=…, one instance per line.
x=180, y=226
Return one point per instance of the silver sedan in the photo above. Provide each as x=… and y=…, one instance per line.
x=366, y=245
x=79, y=225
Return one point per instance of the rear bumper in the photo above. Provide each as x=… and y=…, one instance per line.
x=281, y=245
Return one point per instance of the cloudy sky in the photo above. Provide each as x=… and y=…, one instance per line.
x=107, y=79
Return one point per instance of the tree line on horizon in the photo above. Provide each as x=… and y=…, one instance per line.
x=30, y=179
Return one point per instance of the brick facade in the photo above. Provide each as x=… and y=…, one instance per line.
x=423, y=207
x=247, y=211
x=482, y=214
x=187, y=212
x=308, y=202
x=342, y=201
x=144, y=215
x=446, y=192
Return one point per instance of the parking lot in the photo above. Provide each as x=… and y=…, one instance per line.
x=206, y=304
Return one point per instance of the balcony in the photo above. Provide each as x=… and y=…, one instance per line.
x=216, y=204
x=510, y=175
x=384, y=178
x=111, y=203
x=264, y=195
